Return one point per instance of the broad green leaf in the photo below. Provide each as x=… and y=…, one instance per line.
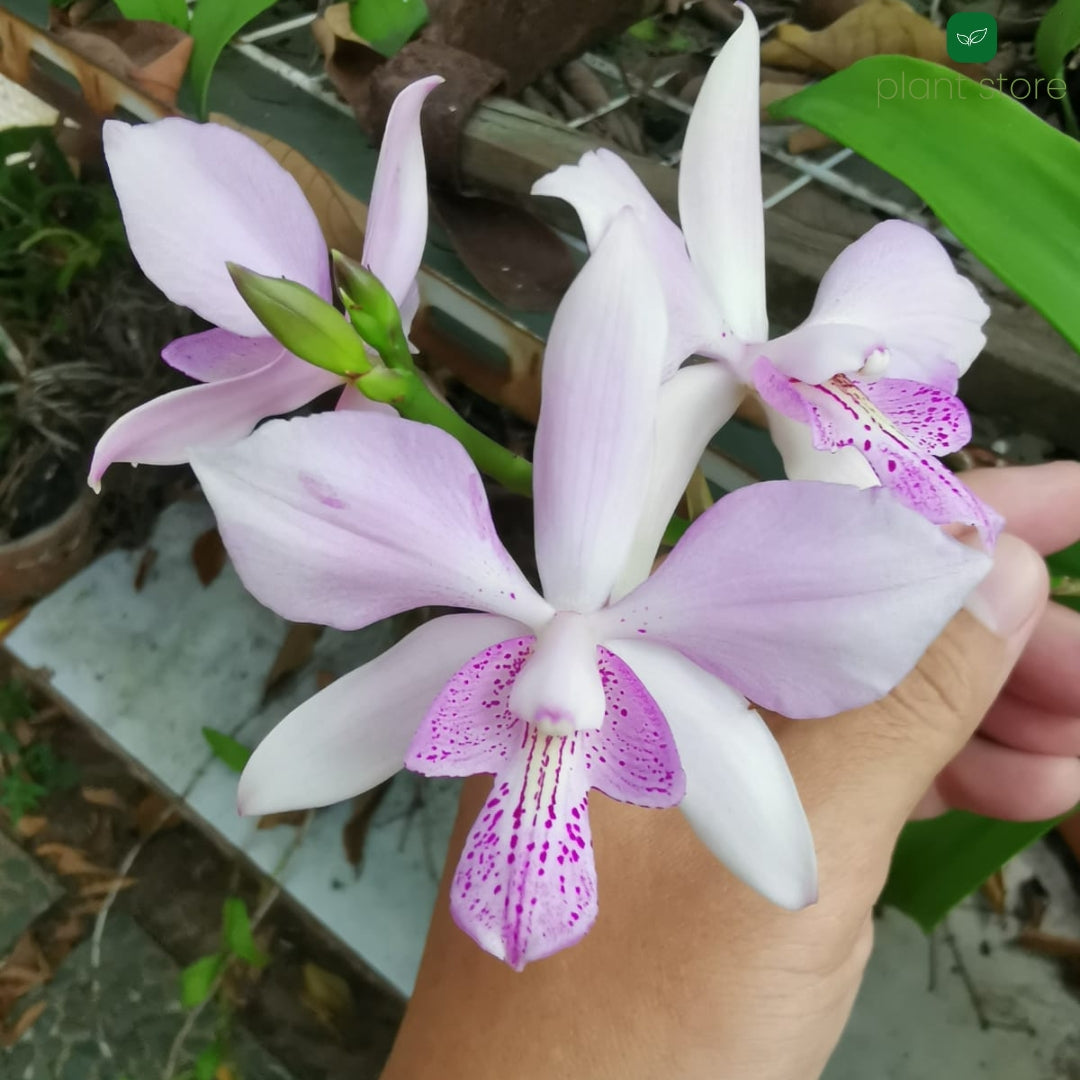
x=1006, y=183
x=206, y=1064
x=1064, y=570
x=236, y=933
x=173, y=12
x=213, y=25
x=387, y=24
x=937, y=863
x=197, y=980
x=227, y=749
x=1057, y=36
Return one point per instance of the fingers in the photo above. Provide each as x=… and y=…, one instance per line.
x=1040, y=503
x=1048, y=674
x=1021, y=725
x=861, y=773
x=1000, y=782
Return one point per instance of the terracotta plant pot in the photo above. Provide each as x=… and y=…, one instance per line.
x=39, y=562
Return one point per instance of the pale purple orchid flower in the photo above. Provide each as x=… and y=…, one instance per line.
x=347, y=518
x=863, y=391
x=197, y=196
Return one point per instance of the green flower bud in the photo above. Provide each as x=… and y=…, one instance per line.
x=303, y=322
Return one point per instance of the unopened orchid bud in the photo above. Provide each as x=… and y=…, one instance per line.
x=369, y=305
x=303, y=322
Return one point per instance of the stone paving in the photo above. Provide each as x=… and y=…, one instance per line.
x=25, y=892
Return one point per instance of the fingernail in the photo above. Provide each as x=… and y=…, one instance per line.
x=1014, y=590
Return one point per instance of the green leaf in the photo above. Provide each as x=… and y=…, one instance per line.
x=227, y=749
x=236, y=933
x=1000, y=178
x=206, y=1064
x=197, y=980
x=1064, y=567
x=213, y=25
x=387, y=24
x=173, y=12
x=937, y=863
x=1057, y=36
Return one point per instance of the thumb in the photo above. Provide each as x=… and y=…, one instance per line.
x=861, y=773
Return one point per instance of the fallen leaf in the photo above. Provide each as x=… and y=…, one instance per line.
x=874, y=28
x=21, y=1026
x=341, y=215
x=94, y=889
x=208, y=555
x=323, y=679
x=326, y=995
x=521, y=261
x=68, y=861
x=354, y=834
x=24, y=968
x=146, y=564
x=296, y=650
x=103, y=796
x=803, y=140
x=152, y=55
x=88, y=906
x=994, y=891
x=28, y=826
x=23, y=732
x=1039, y=941
x=286, y=817
x=155, y=812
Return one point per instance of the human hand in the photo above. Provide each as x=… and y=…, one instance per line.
x=688, y=973
x=1022, y=763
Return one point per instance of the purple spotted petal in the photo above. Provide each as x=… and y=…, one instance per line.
x=525, y=886
x=805, y=597
x=898, y=426
x=216, y=354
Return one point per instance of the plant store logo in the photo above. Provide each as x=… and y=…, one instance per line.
x=972, y=37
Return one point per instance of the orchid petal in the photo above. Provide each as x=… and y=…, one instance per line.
x=598, y=187
x=601, y=377
x=693, y=405
x=897, y=426
x=196, y=196
x=804, y=597
x=345, y=518
x=525, y=886
x=214, y=355
x=894, y=289
x=794, y=441
x=170, y=428
x=397, y=219
x=354, y=734
x=720, y=201
x=740, y=797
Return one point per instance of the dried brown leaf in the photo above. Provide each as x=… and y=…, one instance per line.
x=208, y=555
x=94, y=889
x=323, y=679
x=874, y=28
x=295, y=652
x=354, y=834
x=155, y=812
x=994, y=891
x=21, y=1026
x=326, y=995
x=341, y=215
x=146, y=564
x=104, y=796
x=68, y=861
x=29, y=826
x=1039, y=941
x=286, y=817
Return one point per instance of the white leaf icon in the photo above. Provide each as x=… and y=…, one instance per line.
x=977, y=35
x=963, y=38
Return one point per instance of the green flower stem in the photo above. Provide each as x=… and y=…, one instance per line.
x=407, y=392
x=1064, y=586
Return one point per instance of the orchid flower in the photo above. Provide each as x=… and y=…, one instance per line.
x=346, y=518
x=863, y=392
x=195, y=197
